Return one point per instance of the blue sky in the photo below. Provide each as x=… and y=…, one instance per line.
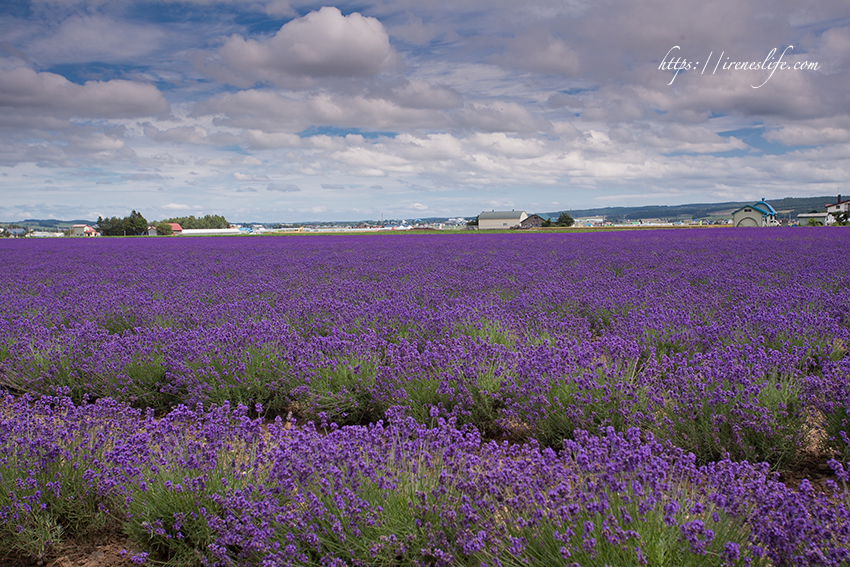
x=279, y=110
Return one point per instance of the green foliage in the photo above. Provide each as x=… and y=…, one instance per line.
x=841, y=219
x=836, y=425
x=163, y=229
x=72, y=507
x=615, y=398
x=206, y=221
x=564, y=219
x=762, y=422
x=547, y=223
x=624, y=535
x=345, y=393
x=170, y=523
x=134, y=224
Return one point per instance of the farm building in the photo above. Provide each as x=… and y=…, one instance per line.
x=828, y=217
x=208, y=231
x=500, y=219
x=532, y=221
x=757, y=214
x=839, y=206
x=82, y=230
x=175, y=228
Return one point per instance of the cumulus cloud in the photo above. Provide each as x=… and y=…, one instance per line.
x=82, y=38
x=421, y=94
x=249, y=177
x=539, y=51
x=191, y=134
x=144, y=177
x=323, y=43
x=230, y=161
x=46, y=97
x=283, y=188
x=270, y=119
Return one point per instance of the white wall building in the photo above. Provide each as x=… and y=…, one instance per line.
x=489, y=220
x=82, y=230
x=757, y=214
x=839, y=206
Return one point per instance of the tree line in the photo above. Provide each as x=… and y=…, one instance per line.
x=135, y=224
x=206, y=221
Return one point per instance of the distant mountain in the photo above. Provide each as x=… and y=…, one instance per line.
x=55, y=222
x=51, y=225
x=787, y=207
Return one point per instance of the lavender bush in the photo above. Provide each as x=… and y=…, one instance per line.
x=218, y=488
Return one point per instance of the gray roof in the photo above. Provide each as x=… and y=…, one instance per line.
x=501, y=215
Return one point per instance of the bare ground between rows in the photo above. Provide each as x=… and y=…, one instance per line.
x=101, y=550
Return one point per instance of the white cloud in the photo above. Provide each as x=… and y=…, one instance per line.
x=283, y=188
x=538, y=51
x=249, y=177
x=321, y=44
x=98, y=38
x=44, y=97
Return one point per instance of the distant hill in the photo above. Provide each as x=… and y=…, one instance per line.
x=787, y=207
x=50, y=224
x=54, y=222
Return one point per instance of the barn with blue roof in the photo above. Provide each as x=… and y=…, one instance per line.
x=757, y=214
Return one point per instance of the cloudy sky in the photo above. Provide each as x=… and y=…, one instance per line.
x=283, y=110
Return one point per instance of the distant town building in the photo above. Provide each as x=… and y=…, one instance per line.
x=839, y=206
x=757, y=214
x=45, y=234
x=208, y=231
x=532, y=221
x=489, y=220
x=827, y=217
x=82, y=230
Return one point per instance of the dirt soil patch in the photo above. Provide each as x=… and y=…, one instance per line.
x=102, y=551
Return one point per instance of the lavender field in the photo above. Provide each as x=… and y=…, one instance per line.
x=581, y=399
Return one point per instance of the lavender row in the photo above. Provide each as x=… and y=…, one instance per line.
x=218, y=488
x=720, y=341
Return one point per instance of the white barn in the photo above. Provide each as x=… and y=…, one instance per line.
x=757, y=214
x=500, y=219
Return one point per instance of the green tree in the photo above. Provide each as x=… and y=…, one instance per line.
x=546, y=223
x=163, y=229
x=206, y=221
x=134, y=224
x=112, y=226
x=564, y=219
x=841, y=219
